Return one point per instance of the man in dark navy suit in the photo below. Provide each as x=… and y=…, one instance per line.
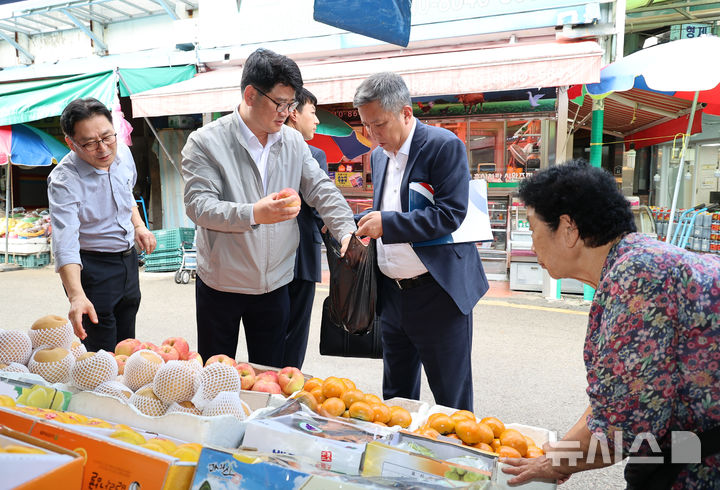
x=307, y=257
x=426, y=294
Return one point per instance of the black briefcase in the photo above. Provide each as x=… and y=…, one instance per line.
x=336, y=341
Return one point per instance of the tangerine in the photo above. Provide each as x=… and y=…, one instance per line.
x=465, y=413
x=429, y=432
x=346, y=414
x=534, y=452
x=508, y=452
x=333, y=406
x=433, y=416
x=484, y=447
x=351, y=396
x=318, y=394
x=452, y=435
x=514, y=439
x=529, y=441
x=333, y=387
x=443, y=423
x=362, y=411
x=349, y=383
x=312, y=383
x=469, y=431
x=372, y=399
x=457, y=417
x=400, y=416
x=495, y=424
x=382, y=413
x=308, y=399
x=495, y=444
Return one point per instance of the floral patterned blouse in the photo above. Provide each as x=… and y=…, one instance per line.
x=652, y=350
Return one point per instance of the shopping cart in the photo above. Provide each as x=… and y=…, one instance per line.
x=690, y=223
x=188, y=266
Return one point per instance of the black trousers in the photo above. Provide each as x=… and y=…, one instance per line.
x=423, y=326
x=264, y=318
x=111, y=283
x=302, y=295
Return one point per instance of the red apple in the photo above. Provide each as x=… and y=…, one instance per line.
x=289, y=192
x=269, y=375
x=148, y=346
x=291, y=379
x=180, y=345
x=194, y=356
x=168, y=353
x=221, y=358
x=267, y=386
x=121, y=359
x=247, y=375
x=127, y=347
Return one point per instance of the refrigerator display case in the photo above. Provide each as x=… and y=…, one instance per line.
x=494, y=255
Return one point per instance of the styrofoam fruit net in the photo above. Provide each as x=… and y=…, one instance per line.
x=59, y=332
x=115, y=389
x=175, y=381
x=15, y=346
x=15, y=367
x=216, y=377
x=77, y=348
x=141, y=367
x=148, y=405
x=87, y=373
x=227, y=403
x=56, y=371
x=184, y=406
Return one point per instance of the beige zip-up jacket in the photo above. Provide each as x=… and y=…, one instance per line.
x=222, y=183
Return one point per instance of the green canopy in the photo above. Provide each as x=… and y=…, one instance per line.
x=24, y=102
x=134, y=80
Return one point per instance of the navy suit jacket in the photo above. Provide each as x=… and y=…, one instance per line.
x=307, y=256
x=437, y=157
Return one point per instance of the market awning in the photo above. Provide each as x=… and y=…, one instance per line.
x=477, y=70
x=134, y=80
x=31, y=101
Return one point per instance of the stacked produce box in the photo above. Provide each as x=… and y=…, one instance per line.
x=168, y=253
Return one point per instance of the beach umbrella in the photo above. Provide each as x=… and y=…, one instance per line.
x=337, y=138
x=685, y=68
x=26, y=146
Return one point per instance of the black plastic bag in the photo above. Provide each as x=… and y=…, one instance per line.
x=353, y=284
x=335, y=341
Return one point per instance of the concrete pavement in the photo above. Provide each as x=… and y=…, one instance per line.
x=527, y=351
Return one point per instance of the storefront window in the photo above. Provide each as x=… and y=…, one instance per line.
x=523, y=139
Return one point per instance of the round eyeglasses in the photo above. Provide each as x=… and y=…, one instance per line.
x=95, y=145
x=279, y=107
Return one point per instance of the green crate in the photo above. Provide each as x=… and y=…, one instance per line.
x=174, y=238
x=161, y=267
x=30, y=261
x=165, y=255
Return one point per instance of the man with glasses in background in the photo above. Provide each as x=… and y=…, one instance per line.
x=235, y=169
x=95, y=226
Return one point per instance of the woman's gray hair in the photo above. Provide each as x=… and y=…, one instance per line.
x=387, y=88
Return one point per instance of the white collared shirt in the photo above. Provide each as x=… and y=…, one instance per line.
x=258, y=152
x=397, y=260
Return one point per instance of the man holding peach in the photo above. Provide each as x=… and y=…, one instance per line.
x=235, y=171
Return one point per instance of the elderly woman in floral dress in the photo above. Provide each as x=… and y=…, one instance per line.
x=652, y=350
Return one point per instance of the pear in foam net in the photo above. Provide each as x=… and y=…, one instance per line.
x=13, y=367
x=147, y=402
x=140, y=368
x=54, y=364
x=115, y=389
x=185, y=406
x=15, y=346
x=77, y=348
x=227, y=403
x=52, y=330
x=217, y=377
x=175, y=381
x=92, y=369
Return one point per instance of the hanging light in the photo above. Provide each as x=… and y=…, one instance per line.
x=656, y=178
x=688, y=175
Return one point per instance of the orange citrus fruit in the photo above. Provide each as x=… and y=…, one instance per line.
x=351, y=396
x=333, y=387
x=465, y=413
x=349, y=383
x=429, y=432
x=382, y=413
x=452, y=435
x=514, y=439
x=508, y=452
x=534, y=452
x=442, y=423
x=469, y=431
x=495, y=424
x=308, y=399
x=495, y=444
x=529, y=441
x=372, y=399
x=400, y=416
x=346, y=414
x=483, y=446
x=362, y=411
x=318, y=394
x=333, y=406
x=312, y=383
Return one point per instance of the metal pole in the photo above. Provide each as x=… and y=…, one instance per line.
x=7, y=211
x=680, y=176
x=596, y=139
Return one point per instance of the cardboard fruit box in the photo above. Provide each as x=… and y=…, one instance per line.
x=59, y=468
x=108, y=462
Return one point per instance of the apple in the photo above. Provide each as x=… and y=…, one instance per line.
x=263, y=384
x=291, y=379
x=148, y=346
x=289, y=192
x=221, y=358
x=194, y=356
x=168, y=353
x=247, y=375
x=269, y=376
x=180, y=345
x=127, y=347
x=121, y=359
